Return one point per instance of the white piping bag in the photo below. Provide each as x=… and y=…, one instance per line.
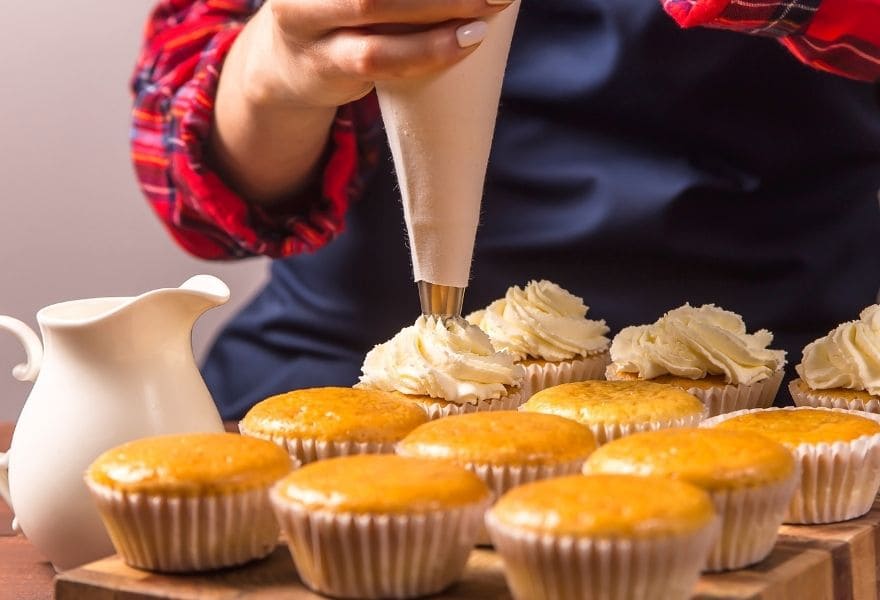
x=440, y=129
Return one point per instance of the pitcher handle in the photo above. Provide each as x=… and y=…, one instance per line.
x=29, y=370
x=26, y=371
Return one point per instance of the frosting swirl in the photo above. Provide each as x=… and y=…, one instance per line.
x=694, y=342
x=848, y=357
x=542, y=320
x=441, y=358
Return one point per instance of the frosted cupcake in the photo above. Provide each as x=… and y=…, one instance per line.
x=446, y=366
x=603, y=537
x=705, y=351
x=750, y=478
x=190, y=502
x=842, y=369
x=613, y=409
x=379, y=525
x=545, y=328
x=839, y=454
x=320, y=423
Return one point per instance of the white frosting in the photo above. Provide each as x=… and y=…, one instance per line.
x=441, y=358
x=695, y=342
x=541, y=321
x=848, y=357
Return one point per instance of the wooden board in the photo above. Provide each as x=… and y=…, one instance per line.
x=828, y=562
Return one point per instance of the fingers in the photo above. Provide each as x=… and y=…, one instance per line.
x=379, y=57
x=319, y=16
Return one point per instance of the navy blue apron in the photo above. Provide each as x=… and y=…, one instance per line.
x=639, y=166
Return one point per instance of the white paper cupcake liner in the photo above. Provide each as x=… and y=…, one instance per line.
x=839, y=481
x=547, y=567
x=348, y=555
x=750, y=520
x=438, y=411
x=608, y=432
x=723, y=399
x=500, y=479
x=542, y=376
x=304, y=451
x=803, y=396
x=185, y=534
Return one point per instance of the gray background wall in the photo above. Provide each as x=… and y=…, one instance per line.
x=73, y=223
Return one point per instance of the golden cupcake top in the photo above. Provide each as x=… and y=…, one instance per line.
x=615, y=402
x=606, y=506
x=803, y=425
x=195, y=464
x=799, y=386
x=382, y=483
x=501, y=438
x=334, y=413
x=713, y=459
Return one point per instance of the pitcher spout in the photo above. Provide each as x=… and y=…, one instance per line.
x=208, y=287
x=195, y=296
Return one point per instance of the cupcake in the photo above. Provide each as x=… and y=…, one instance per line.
x=545, y=328
x=603, y=537
x=380, y=526
x=505, y=449
x=842, y=369
x=838, y=451
x=705, y=351
x=191, y=502
x=613, y=409
x=318, y=423
x=447, y=366
x=750, y=478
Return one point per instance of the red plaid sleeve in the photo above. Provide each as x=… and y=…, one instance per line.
x=175, y=83
x=839, y=36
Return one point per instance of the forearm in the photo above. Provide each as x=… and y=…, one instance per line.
x=267, y=148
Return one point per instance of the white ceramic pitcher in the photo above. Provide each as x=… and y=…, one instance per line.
x=113, y=370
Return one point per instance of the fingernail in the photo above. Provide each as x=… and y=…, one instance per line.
x=471, y=33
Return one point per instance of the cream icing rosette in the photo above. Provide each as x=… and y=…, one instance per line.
x=545, y=328
x=447, y=366
x=705, y=350
x=842, y=369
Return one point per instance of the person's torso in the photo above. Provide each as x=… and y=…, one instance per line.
x=639, y=166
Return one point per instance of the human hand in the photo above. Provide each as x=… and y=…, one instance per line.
x=322, y=53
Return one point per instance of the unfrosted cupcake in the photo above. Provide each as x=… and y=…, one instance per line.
x=613, y=409
x=380, y=526
x=545, y=328
x=506, y=448
x=838, y=451
x=705, y=351
x=750, y=478
x=446, y=366
x=189, y=502
x=842, y=369
x=603, y=537
x=318, y=423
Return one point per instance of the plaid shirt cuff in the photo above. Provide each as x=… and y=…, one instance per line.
x=203, y=214
x=773, y=18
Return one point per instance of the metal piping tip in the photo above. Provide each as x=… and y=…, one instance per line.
x=440, y=300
